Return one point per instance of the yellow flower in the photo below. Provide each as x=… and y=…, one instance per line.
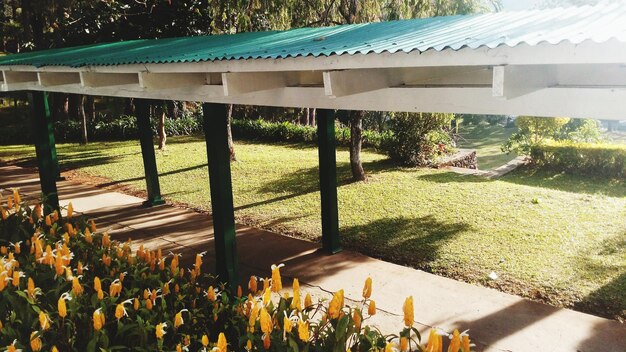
x=248, y=345
x=3, y=213
x=106, y=240
x=120, y=311
x=266, y=284
x=266, y=296
x=239, y=291
x=266, y=321
x=266, y=342
x=296, y=303
x=336, y=304
x=92, y=226
x=31, y=289
x=371, y=310
x=11, y=347
x=303, y=330
x=16, y=278
x=35, y=342
x=408, y=311
x=100, y=294
x=389, y=347
x=160, y=330
x=179, y=348
x=404, y=344
x=367, y=289
x=58, y=264
x=277, y=283
x=178, y=319
x=48, y=221
x=98, y=319
x=434, y=342
x=16, y=196
x=77, y=289
x=210, y=294
x=136, y=304
x=54, y=349
x=221, y=342
x=252, y=284
x=205, y=340
x=70, y=210
x=455, y=343
x=44, y=321
x=308, y=301
x=356, y=316
x=465, y=342
x=149, y=304
x=88, y=237
x=287, y=325
x=62, y=307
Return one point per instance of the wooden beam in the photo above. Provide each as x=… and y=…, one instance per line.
x=510, y=82
x=242, y=83
x=348, y=82
x=94, y=79
x=47, y=79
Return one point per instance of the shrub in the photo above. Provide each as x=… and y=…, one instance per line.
x=290, y=132
x=418, y=139
x=67, y=287
x=534, y=131
x=589, y=158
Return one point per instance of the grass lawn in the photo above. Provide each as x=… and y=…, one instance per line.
x=486, y=140
x=568, y=249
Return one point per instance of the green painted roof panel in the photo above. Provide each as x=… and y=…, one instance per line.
x=577, y=24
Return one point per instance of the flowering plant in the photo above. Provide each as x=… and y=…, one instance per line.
x=65, y=286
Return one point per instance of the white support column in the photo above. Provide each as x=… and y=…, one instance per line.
x=511, y=82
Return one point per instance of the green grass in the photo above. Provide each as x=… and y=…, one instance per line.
x=568, y=249
x=486, y=140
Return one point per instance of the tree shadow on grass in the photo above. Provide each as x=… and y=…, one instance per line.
x=609, y=300
x=409, y=241
x=305, y=181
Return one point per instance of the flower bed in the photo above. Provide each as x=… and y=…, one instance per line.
x=64, y=286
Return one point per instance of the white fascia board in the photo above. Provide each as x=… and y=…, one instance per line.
x=588, y=52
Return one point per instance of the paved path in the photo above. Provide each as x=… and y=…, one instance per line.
x=497, y=321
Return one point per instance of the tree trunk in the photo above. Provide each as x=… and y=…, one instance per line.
x=312, y=117
x=83, y=119
x=91, y=108
x=229, y=132
x=356, y=131
x=129, y=107
x=307, y=116
x=162, y=135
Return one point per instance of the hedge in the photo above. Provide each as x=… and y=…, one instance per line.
x=290, y=132
x=65, y=286
x=602, y=159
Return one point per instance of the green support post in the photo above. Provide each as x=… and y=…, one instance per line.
x=43, y=134
x=331, y=241
x=223, y=212
x=142, y=110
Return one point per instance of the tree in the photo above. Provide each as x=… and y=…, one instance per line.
x=534, y=131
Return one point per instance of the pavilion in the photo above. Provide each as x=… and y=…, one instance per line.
x=559, y=62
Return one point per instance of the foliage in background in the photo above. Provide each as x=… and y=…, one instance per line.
x=608, y=160
x=291, y=132
x=534, y=131
x=90, y=293
x=418, y=139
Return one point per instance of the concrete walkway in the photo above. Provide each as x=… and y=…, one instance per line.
x=497, y=321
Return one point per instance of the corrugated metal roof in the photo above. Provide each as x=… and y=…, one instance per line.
x=577, y=24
